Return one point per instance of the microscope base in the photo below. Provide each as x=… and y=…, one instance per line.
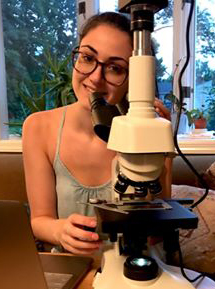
x=169, y=277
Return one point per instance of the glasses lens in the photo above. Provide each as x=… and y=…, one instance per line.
x=115, y=73
x=83, y=62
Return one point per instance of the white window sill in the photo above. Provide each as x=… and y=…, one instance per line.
x=11, y=146
x=187, y=145
x=197, y=143
x=206, y=146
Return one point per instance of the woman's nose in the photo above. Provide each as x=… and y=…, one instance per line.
x=96, y=76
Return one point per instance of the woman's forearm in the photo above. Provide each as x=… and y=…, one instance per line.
x=47, y=229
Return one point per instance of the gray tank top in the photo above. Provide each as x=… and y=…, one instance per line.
x=72, y=196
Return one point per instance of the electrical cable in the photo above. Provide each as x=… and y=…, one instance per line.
x=201, y=275
x=201, y=180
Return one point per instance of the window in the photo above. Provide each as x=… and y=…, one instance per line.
x=204, y=85
x=198, y=80
x=37, y=37
x=35, y=32
x=111, y=5
x=164, y=50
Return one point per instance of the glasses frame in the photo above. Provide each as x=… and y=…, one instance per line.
x=103, y=64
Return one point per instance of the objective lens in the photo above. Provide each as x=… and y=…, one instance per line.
x=141, y=191
x=155, y=187
x=120, y=187
x=122, y=184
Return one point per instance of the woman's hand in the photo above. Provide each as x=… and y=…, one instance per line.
x=161, y=109
x=76, y=239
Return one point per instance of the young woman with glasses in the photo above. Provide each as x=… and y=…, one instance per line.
x=66, y=164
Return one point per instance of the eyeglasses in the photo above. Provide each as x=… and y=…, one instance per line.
x=113, y=71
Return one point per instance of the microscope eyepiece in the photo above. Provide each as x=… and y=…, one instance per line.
x=102, y=115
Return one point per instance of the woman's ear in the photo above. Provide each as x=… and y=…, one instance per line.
x=123, y=105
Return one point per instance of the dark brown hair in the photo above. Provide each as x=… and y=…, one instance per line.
x=114, y=19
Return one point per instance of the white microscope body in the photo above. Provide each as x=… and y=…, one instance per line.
x=142, y=141
x=112, y=275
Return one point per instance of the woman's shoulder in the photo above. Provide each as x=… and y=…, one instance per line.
x=43, y=118
x=42, y=122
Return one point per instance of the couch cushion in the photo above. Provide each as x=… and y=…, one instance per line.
x=198, y=246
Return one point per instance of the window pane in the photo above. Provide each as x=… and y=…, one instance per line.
x=163, y=45
x=38, y=37
x=110, y=5
x=205, y=60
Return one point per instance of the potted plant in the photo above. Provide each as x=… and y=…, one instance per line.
x=198, y=117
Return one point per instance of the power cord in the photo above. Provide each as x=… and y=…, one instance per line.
x=201, y=180
x=201, y=275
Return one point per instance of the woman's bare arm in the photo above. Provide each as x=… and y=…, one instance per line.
x=40, y=184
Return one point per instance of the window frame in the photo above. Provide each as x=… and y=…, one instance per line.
x=92, y=6
x=180, y=17
x=3, y=93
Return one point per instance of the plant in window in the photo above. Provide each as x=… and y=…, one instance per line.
x=52, y=91
x=198, y=117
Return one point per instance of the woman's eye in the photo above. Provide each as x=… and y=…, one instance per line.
x=115, y=68
x=87, y=58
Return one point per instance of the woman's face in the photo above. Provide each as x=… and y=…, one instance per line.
x=103, y=43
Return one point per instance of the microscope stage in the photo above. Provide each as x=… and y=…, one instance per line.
x=150, y=217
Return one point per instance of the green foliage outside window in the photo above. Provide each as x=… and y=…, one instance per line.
x=211, y=109
x=54, y=90
x=31, y=28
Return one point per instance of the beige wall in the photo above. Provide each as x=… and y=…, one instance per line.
x=182, y=175
x=12, y=183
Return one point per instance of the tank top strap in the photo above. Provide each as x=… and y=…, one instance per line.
x=60, y=130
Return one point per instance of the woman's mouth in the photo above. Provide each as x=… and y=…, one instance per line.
x=93, y=90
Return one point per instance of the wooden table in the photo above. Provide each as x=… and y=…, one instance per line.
x=86, y=283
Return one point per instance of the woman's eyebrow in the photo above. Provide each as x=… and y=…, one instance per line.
x=117, y=58
x=110, y=58
x=90, y=47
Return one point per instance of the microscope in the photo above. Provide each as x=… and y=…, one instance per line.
x=142, y=141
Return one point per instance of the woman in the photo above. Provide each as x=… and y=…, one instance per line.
x=65, y=162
